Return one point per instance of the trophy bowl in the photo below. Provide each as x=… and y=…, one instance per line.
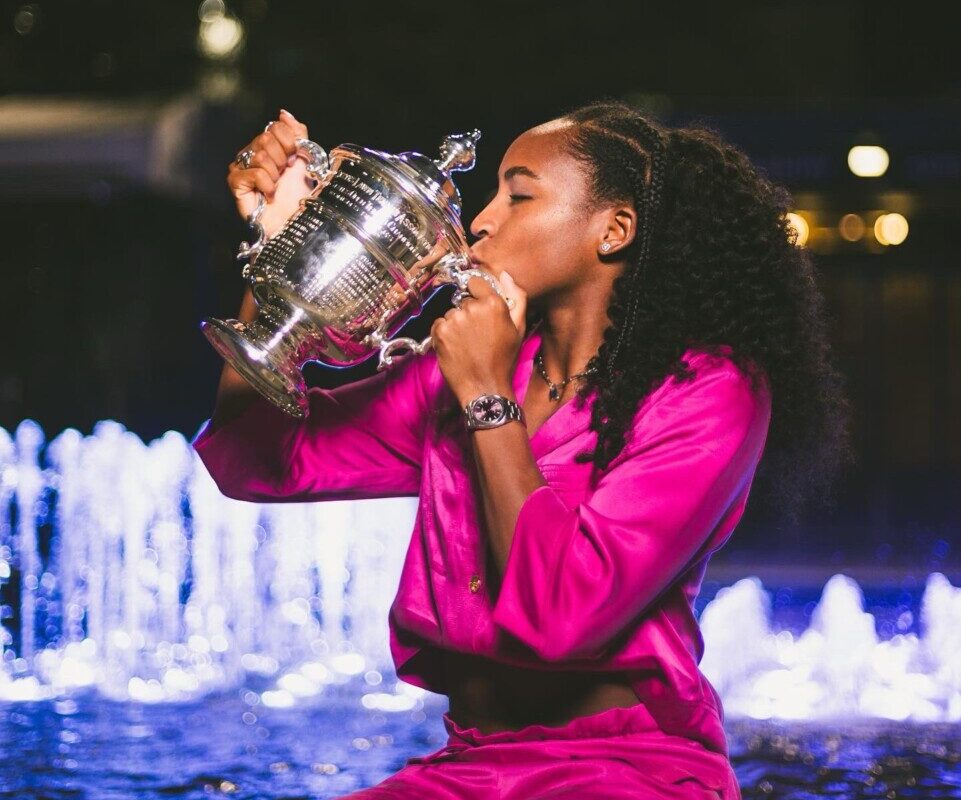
x=375, y=239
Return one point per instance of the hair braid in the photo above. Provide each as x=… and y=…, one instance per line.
x=650, y=192
x=631, y=168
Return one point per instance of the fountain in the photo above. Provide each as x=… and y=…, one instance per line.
x=154, y=587
x=124, y=570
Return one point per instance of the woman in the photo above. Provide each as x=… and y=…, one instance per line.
x=660, y=305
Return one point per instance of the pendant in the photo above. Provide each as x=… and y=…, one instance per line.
x=554, y=394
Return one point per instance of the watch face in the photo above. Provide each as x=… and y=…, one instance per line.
x=488, y=409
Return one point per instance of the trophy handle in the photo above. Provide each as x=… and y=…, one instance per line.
x=318, y=165
x=449, y=270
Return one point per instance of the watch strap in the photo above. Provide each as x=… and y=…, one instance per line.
x=498, y=408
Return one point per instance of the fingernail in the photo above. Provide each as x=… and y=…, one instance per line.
x=507, y=275
x=285, y=111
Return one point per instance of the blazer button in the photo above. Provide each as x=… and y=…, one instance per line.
x=475, y=584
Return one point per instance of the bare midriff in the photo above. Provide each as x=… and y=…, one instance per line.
x=492, y=696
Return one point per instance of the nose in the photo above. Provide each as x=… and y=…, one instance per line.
x=482, y=225
x=477, y=227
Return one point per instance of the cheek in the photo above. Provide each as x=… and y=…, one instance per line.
x=544, y=246
x=557, y=239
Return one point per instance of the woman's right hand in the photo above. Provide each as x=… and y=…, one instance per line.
x=275, y=171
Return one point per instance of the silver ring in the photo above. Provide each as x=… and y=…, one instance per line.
x=245, y=158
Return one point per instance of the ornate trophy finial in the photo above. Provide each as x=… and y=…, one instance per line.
x=457, y=152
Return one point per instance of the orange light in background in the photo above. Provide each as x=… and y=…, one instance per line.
x=891, y=229
x=801, y=228
x=868, y=161
x=851, y=227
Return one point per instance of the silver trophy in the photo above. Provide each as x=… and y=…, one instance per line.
x=376, y=237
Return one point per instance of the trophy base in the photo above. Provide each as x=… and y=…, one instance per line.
x=257, y=365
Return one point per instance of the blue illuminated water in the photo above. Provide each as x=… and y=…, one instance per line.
x=88, y=747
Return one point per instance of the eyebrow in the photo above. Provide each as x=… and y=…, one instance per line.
x=510, y=172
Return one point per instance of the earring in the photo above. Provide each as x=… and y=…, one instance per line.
x=605, y=246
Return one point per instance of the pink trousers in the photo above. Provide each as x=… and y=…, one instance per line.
x=617, y=753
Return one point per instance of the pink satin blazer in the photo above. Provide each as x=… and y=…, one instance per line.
x=602, y=575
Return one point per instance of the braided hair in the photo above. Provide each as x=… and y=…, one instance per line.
x=714, y=264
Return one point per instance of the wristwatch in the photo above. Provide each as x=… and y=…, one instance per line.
x=492, y=411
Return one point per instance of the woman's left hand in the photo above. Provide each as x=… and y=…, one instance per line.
x=477, y=342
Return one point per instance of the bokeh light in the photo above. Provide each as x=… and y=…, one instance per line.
x=25, y=19
x=801, y=228
x=851, y=227
x=868, y=161
x=221, y=37
x=211, y=9
x=891, y=229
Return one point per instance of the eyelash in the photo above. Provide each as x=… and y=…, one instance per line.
x=517, y=197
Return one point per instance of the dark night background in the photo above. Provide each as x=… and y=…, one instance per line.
x=119, y=232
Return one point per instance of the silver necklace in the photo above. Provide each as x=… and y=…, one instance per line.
x=556, y=389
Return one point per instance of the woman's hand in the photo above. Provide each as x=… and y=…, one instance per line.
x=275, y=171
x=477, y=343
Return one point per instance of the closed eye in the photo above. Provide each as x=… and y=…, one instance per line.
x=516, y=198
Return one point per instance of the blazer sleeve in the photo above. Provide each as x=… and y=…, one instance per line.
x=576, y=577
x=361, y=440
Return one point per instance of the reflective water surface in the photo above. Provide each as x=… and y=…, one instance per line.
x=89, y=747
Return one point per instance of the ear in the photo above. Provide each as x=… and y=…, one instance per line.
x=619, y=226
